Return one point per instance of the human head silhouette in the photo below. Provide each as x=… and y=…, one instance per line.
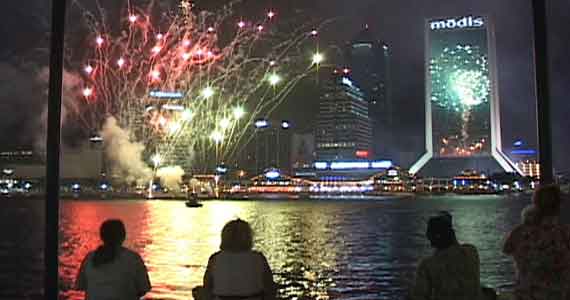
x=440, y=230
x=237, y=236
x=112, y=233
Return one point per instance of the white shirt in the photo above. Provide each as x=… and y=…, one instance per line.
x=125, y=278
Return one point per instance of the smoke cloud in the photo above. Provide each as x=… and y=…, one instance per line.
x=171, y=177
x=124, y=155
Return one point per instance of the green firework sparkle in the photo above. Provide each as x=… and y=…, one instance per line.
x=460, y=78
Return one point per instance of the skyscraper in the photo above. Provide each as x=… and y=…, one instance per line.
x=369, y=61
x=462, y=101
x=343, y=130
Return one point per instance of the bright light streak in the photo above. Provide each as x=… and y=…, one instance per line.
x=238, y=112
x=217, y=136
x=187, y=115
x=274, y=79
x=318, y=58
x=321, y=165
x=159, y=36
x=88, y=69
x=271, y=14
x=87, y=92
x=314, y=32
x=156, y=160
x=225, y=123
x=241, y=24
x=349, y=165
x=99, y=40
x=208, y=92
x=156, y=49
x=120, y=62
x=155, y=74
x=133, y=18
x=260, y=28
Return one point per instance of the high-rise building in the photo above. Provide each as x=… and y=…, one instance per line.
x=462, y=100
x=343, y=130
x=269, y=147
x=369, y=62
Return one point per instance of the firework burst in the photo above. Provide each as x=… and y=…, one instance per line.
x=189, y=85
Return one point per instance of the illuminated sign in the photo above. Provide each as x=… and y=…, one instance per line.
x=349, y=165
x=524, y=152
x=362, y=153
x=272, y=174
x=261, y=124
x=384, y=164
x=321, y=165
x=168, y=95
x=392, y=173
x=461, y=23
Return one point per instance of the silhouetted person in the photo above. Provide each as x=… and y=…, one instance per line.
x=113, y=271
x=541, y=250
x=452, y=272
x=236, y=272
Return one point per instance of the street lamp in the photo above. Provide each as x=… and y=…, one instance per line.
x=318, y=58
x=274, y=79
x=207, y=92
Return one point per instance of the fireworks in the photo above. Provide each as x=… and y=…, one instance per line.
x=460, y=78
x=179, y=90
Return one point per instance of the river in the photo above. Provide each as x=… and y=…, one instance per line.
x=328, y=249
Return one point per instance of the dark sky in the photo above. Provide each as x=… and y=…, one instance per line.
x=399, y=23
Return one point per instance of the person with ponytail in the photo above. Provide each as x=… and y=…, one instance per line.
x=452, y=272
x=541, y=250
x=113, y=271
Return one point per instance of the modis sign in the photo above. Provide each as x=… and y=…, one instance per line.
x=459, y=23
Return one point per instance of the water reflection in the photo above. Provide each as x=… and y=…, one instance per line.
x=318, y=250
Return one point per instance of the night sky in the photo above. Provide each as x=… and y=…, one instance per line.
x=24, y=26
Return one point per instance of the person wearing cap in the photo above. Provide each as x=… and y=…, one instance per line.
x=452, y=271
x=541, y=250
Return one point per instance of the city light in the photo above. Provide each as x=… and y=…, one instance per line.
x=314, y=32
x=349, y=165
x=133, y=18
x=207, y=92
x=318, y=58
x=285, y=124
x=271, y=14
x=321, y=165
x=241, y=24
x=238, y=112
x=384, y=164
x=88, y=69
x=174, y=107
x=274, y=79
x=164, y=94
x=99, y=41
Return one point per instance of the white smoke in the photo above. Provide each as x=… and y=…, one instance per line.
x=171, y=177
x=124, y=155
x=71, y=87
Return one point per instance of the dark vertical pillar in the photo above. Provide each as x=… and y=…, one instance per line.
x=51, y=275
x=542, y=90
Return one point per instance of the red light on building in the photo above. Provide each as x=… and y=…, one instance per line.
x=362, y=153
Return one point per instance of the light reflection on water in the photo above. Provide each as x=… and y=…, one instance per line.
x=317, y=249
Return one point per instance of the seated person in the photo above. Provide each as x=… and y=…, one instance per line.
x=452, y=272
x=236, y=272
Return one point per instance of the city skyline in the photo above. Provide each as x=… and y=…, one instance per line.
x=399, y=28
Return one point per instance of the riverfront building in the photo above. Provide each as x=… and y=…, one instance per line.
x=343, y=131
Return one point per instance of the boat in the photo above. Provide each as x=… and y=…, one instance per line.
x=192, y=201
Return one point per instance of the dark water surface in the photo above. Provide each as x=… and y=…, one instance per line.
x=349, y=249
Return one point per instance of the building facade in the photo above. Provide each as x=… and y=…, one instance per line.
x=462, y=100
x=343, y=130
x=369, y=64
